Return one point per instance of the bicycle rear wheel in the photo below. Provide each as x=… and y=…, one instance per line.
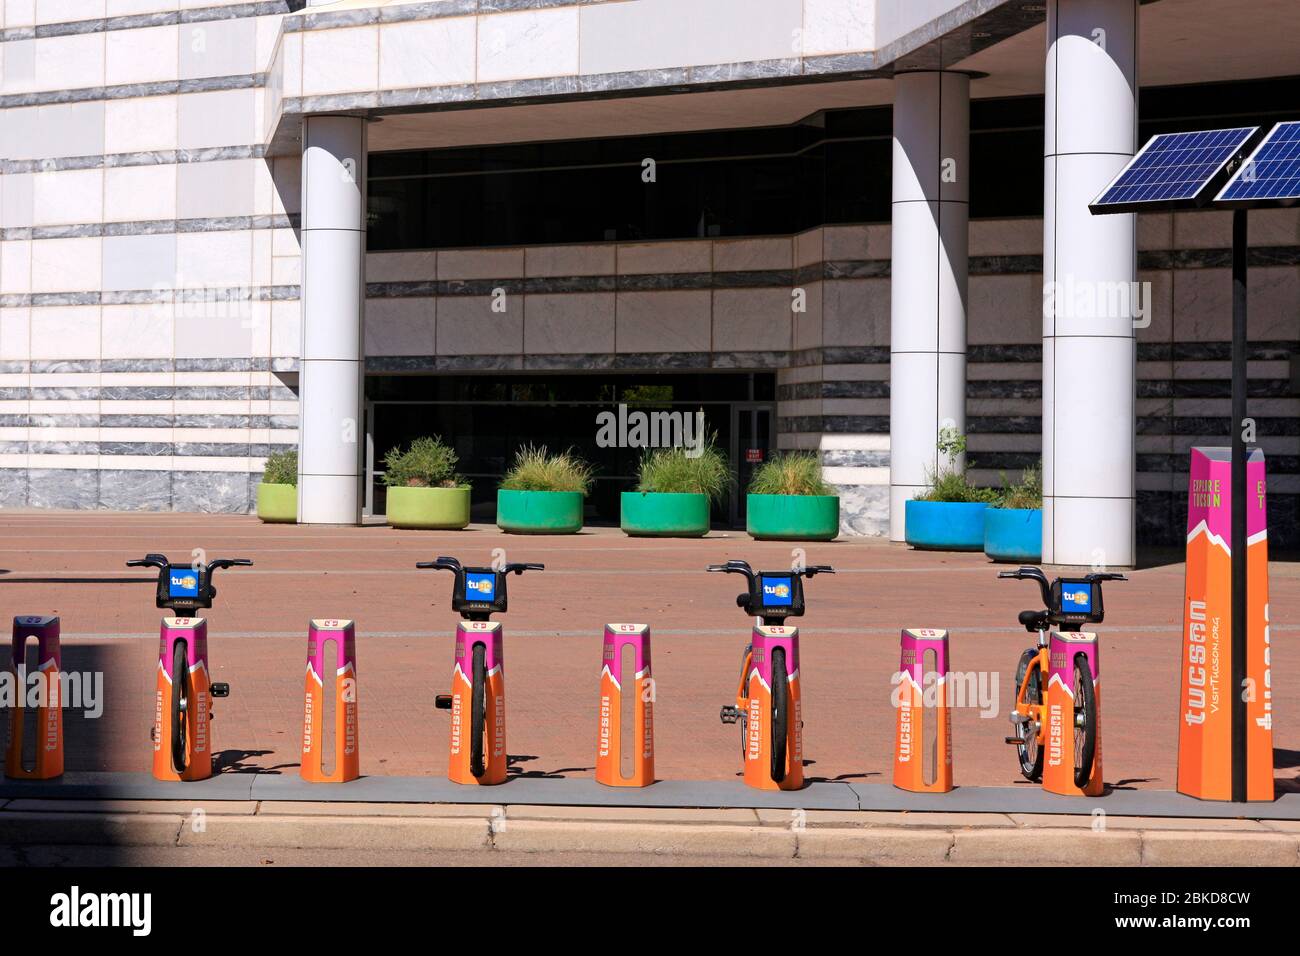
x=478, y=711
x=1028, y=751
x=181, y=693
x=1085, y=722
x=780, y=713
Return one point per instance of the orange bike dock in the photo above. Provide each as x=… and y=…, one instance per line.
x=334, y=675
x=46, y=711
x=579, y=792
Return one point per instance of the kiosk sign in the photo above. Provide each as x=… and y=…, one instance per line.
x=1205, y=706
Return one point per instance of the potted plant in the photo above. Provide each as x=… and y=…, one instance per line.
x=1013, y=527
x=674, y=489
x=543, y=494
x=277, y=493
x=950, y=515
x=424, y=490
x=790, y=500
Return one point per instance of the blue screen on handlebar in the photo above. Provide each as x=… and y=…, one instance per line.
x=182, y=582
x=1076, y=597
x=777, y=591
x=480, y=587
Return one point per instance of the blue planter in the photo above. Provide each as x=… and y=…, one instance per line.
x=1014, y=534
x=945, y=525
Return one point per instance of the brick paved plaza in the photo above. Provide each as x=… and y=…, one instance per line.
x=72, y=565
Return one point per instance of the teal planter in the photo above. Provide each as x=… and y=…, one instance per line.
x=792, y=517
x=945, y=525
x=539, y=512
x=658, y=514
x=1014, y=534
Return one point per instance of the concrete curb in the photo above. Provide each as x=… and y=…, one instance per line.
x=872, y=838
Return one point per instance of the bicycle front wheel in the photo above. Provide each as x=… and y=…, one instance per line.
x=780, y=713
x=478, y=711
x=1085, y=722
x=180, y=705
x=1027, y=750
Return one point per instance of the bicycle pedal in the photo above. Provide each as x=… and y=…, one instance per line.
x=1012, y=740
x=442, y=702
x=220, y=690
x=729, y=714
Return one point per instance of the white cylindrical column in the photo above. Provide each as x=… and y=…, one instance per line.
x=330, y=376
x=1089, y=286
x=927, y=344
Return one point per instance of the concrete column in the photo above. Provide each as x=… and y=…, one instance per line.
x=1089, y=273
x=927, y=345
x=331, y=376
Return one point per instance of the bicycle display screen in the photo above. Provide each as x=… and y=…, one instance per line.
x=776, y=590
x=1077, y=597
x=182, y=582
x=481, y=586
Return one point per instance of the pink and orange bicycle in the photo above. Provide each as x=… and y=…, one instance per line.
x=478, y=745
x=768, y=706
x=182, y=743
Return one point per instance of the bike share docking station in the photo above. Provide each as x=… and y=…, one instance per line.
x=625, y=741
x=345, y=751
x=41, y=694
x=923, y=736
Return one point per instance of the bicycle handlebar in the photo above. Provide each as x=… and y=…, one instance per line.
x=1027, y=572
x=445, y=563
x=736, y=566
x=161, y=561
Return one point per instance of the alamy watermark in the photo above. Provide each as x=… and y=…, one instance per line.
x=657, y=429
x=1097, y=299
x=975, y=689
x=76, y=690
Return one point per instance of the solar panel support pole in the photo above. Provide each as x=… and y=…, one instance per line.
x=1240, y=247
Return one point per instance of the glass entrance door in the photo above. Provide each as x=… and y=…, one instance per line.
x=753, y=438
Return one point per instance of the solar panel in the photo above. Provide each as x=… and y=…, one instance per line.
x=1174, y=169
x=1272, y=172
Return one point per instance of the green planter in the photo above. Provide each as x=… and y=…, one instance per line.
x=792, y=517
x=428, y=508
x=277, y=503
x=659, y=514
x=539, y=512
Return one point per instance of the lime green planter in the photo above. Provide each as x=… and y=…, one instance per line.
x=792, y=517
x=664, y=515
x=428, y=508
x=277, y=503
x=539, y=512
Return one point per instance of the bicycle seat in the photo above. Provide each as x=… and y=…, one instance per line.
x=1034, y=620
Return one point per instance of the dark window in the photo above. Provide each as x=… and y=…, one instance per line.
x=833, y=167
